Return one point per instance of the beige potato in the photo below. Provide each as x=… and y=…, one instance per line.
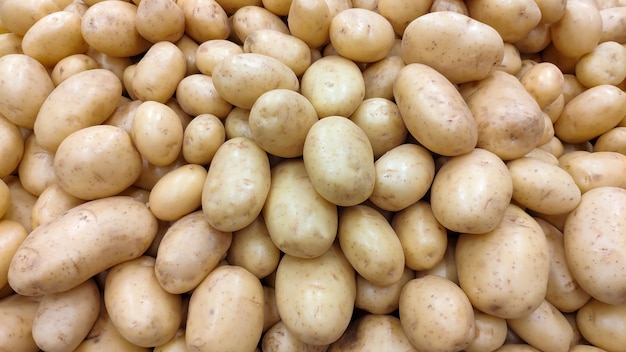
x=444, y=128
x=12, y=144
x=18, y=16
x=602, y=324
x=373, y=332
x=554, y=109
x=21, y=203
x=178, y=193
x=459, y=47
x=344, y=178
x=594, y=248
x=189, y=47
x=236, y=123
x=380, y=114
x=546, y=329
x=536, y=40
x=578, y=30
x=253, y=249
x=318, y=313
x=511, y=61
x=210, y=52
x=449, y=5
x=490, y=332
x=5, y=198
x=248, y=19
x=52, y=202
x=380, y=76
x=119, y=40
x=17, y=314
x=471, y=192
x=270, y=310
x=62, y=114
x=201, y=139
x=197, y=94
x=237, y=185
x=334, y=85
x=300, y=221
x=401, y=12
x=279, y=339
x=21, y=99
x=54, y=37
x=226, y=311
x=10, y=43
x=176, y=344
x=310, y=20
x=432, y=307
x=70, y=65
x=290, y=50
x=512, y=19
x=124, y=113
x=551, y=10
x=544, y=82
x=159, y=72
x=36, y=169
x=487, y=263
x=64, y=319
x=593, y=170
x=12, y=234
x=78, y=244
x=612, y=141
x=378, y=299
x=613, y=24
x=157, y=133
x=160, y=20
x=188, y=252
x=517, y=347
x=278, y=7
x=605, y=64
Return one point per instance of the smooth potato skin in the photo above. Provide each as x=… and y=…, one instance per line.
x=17, y=314
x=371, y=333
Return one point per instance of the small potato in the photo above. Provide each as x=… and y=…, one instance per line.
x=605, y=64
x=178, y=193
x=226, y=312
x=21, y=203
x=197, y=95
x=339, y=161
x=36, y=169
x=188, y=252
x=379, y=114
x=578, y=30
x=290, y=50
x=551, y=10
x=270, y=310
x=603, y=325
x=380, y=76
x=278, y=7
x=19, y=15
x=70, y=65
x=612, y=141
x=310, y=20
x=17, y=314
x=158, y=73
x=157, y=133
x=5, y=198
x=201, y=139
x=490, y=332
x=512, y=19
x=444, y=128
x=471, y=192
x=189, y=47
x=12, y=234
x=511, y=61
x=10, y=43
x=176, y=344
x=123, y=115
x=236, y=124
x=544, y=82
x=12, y=145
x=613, y=24
x=536, y=40
x=300, y=221
x=554, y=109
x=109, y=27
x=248, y=19
x=64, y=319
x=377, y=299
x=213, y=51
x=545, y=328
x=334, y=85
x=52, y=202
x=279, y=339
x=373, y=332
x=432, y=307
x=160, y=20
x=459, y=47
x=401, y=12
x=253, y=249
x=205, y=20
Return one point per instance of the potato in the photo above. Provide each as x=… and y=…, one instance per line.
x=593, y=170
x=471, y=192
x=5, y=198
x=536, y=40
x=270, y=310
x=176, y=344
x=490, y=332
x=201, y=139
x=187, y=181
x=12, y=234
x=315, y=296
x=613, y=24
x=446, y=267
x=21, y=99
x=157, y=133
x=578, y=30
x=197, y=95
x=517, y=347
x=151, y=174
x=513, y=20
x=374, y=115
x=612, y=141
x=378, y=299
x=36, y=168
x=278, y=7
x=18, y=15
x=436, y=315
x=290, y=50
x=10, y=43
x=109, y=27
x=300, y=221
x=159, y=72
x=279, y=339
x=248, y=19
x=237, y=185
x=602, y=324
x=310, y=20
x=12, y=144
x=54, y=37
x=21, y=203
x=78, y=244
x=17, y=313
x=457, y=46
x=401, y=12
x=486, y=264
x=52, y=202
x=226, y=311
x=253, y=249
x=160, y=20
x=71, y=65
x=210, y=52
x=551, y=10
x=605, y=64
x=544, y=82
x=236, y=123
x=545, y=328
x=511, y=61
x=373, y=332
x=334, y=85
x=380, y=76
x=346, y=178
x=189, y=47
x=446, y=129
x=61, y=113
x=64, y=319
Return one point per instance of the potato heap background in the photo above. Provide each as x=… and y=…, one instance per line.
x=313, y=175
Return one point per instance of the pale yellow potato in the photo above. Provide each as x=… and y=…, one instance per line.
x=280, y=120
x=379, y=77
x=458, y=6
x=605, y=64
x=424, y=240
x=512, y=19
x=373, y=332
x=613, y=24
x=278, y=7
x=527, y=64
x=300, y=221
x=71, y=65
x=159, y=72
x=52, y=202
x=309, y=20
x=237, y=185
x=572, y=87
x=5, y=198
x=248, y=19
x=543, y=155
x=371, y=245
x=565, y=63
x=176, y=344
x=236, y=123
x=240, y=79
x=123, y=115
x=77, y=7
x=209, y=53
x=459, y=47
x=551, y=10
x=471, y=192
x=290, y=50
x=505, y=271
x=586, y=348
x=591, y=113
x=612, y=141
x=109, y=27
x=253, y=249
x=544, y=81
x=401, y=12
x=340, y=161
x=334, y=85
x=17, y=314
x=315, y=296
x=380, y=119
x=157, y=133
x=546, y=329
x=603, y=324
x=535, y=40
x=97, y=162
x=12, y=144
x=189, y=47
x=160, y=20
x=21, y=99
x=554, y=109
x=378, y=299
x=594, y=246
x=446, y=267
x=578, y=30
x=12, y=234
x=62, y=114
x=64, y=319
x=432, y=307
x=434, y=113
x=205, y=20
x=10, y=43
x=512, y=61
x=593, y=170
x=201, y=139
x=178, y=193
x=226, y=311
x=18, y=15
x=270, y=310
x=80, y=243
x=36, y=170
x=517, y=346
x=490, y=332
x=279, y=339
x=197, y=94
x=21, y=204
x=231, y=6
x=127, y=80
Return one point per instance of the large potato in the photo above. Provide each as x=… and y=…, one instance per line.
x=578, y=30
x=512, y=19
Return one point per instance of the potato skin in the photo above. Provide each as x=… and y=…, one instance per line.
x=371, y=333
x=17, y=314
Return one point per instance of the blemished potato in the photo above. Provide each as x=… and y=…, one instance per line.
x=446, y=129
x=290, y=50
x=160, y=20
x=346, y=178
x=546, y=329
x=380, y=114
x=490, y=332
x=300, y=221
x=278, y=338
x=12, y=234
x=157, y=133
x=593, y=170
x=52, y=202
x=80, y=243
x=178, y=193
x=36, y=168
x=602, y=324
x=253, y=249
x=470, y=192
x=316, y=314
x=158, y=73
x=578, y=30
x=517, y=247
x=373, y=332
x=61, y=113
x=605, y=64
x=197, y=95
x=310, y=20
x=64, y=319
x=459, y=47
x=432, y=307
x=401, y=12
x=70, y=65
x=12, y=144
x=17, y=314
x=226, y=311
x=380, y=76
x=513, y=19
x=176, y=270
x=378, y=299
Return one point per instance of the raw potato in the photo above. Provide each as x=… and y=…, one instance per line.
x=157, y=133
x=158, y=73
x=603, y=324
x=380, y=76
x=613, y=24
x=213, y=51
x=593, y=170
x=290, y=50
x=12, y=144
x=80, y=243
x=253, y=249
x=205, y=20
x=377, y=299
x=544, y=81
x=605, y=64
x=380, y=114
x=5, y=198
x=279, y=339
x=372, y=333
x=12, y=234
x=249, y=19
x=52, y=202
x=71, y=65
x=160, y=20
x=612, y=141
x=201, y=139
x=578, y=30
x=490, y=332
x=36, y=169
x=178, y=193
x=546, y=329
x=17, y=314
x=197, y=95
x=512, y=19
x=551, y=10
x=401, y=12
x=18, y=15
x=310, y=20
x=21, y=203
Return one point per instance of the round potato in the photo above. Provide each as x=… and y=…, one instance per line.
x=551, y=10
x=160, y=20
x=236, y=124
x=602, y=324
x=544, y=81
x=578, y=30
x=159, y=72
x=178, y=193
x=380, y=76
x=157, y=133
x=605, y=64
x=373, y=332
x=378, y=299
x=310, y=20
x=213, y=51
x=379, y=114
x=253, y=249
x=201, y=139
x=70, y=65
x=197, y=95
x=400, y=13
x=535, y=41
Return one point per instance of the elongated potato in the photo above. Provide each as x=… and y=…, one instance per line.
x=178, y=193
x=310, y=21
x=290, y=50
x=546, y=329
x=80, y=243
x=593, y=170
x=12, y=234
x=158, y=72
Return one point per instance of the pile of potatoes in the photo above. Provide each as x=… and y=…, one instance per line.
x=313, y=175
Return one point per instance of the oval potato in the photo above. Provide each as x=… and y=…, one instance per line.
x=178, y=193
